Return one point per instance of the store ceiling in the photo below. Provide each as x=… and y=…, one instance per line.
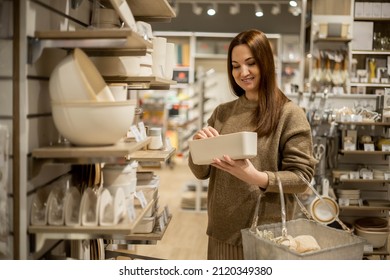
x=223, y=21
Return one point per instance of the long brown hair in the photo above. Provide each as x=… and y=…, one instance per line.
x=270, y=97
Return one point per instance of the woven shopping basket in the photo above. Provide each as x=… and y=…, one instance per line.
x=335, y=244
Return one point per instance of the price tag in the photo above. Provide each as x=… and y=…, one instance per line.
x=141, y=197
x=131, y=212
x=387, y=175
x=349, y=146
x=166, y=210
x=354, y=175
x=142, y=130
x=368, y=248
x=369, y=147
x=367, y=175
x=344, y=201
x=161, y=222
x=385, y=148
x=136, y=133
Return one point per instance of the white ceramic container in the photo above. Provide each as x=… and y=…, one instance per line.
x=114, y=66
x=93, y=123
x=240, y=145
x=76, y=78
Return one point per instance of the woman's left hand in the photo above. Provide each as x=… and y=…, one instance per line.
x=243, y=169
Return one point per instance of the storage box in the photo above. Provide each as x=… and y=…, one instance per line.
x=240, y=145
x=334, y=243
x=363, y=32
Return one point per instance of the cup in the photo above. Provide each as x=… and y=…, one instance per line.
x=159, y=56
x=169, y=61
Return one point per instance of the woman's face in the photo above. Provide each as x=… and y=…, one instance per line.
x=245, y=71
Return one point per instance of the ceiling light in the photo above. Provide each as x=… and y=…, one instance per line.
x=293, y=3
x=234, y=9
x=196, y=9
x=212, y=10
x=258, y=10
x=275, y=10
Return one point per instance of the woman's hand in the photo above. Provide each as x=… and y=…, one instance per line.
x=243, y=169
x=205, y=132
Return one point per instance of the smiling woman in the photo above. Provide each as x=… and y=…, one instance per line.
x=284, y=148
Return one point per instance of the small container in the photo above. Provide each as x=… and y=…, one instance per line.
x=156, y=142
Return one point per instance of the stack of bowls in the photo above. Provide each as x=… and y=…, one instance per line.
x=121, y=176
x=353, y=195
x=84, y=110
x=374, y=229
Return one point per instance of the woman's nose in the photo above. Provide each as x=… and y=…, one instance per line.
x=244, y=70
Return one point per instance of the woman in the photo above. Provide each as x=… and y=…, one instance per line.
x=284, y=148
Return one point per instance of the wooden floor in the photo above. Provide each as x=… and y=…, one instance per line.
x=185, y=237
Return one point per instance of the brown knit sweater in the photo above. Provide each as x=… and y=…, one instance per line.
x=288, y=151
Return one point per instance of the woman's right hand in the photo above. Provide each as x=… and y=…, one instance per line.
x=206, y=132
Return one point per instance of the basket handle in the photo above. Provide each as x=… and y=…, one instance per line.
x=256, y=215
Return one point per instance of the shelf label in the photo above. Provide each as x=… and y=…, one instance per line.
x=344, y=201
x=367, y=175
x=141, y=197
x=369, y=147
x=354, y=175
x=142, y=130
x=349, y=146
x=368, y=248
x=136, y=133
x=385, y=148
x=161, y=222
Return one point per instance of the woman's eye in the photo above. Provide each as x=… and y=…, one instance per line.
x=236, y=66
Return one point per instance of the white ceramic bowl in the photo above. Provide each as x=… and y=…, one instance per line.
x=238, y=145
x=125, y=66
x=376, y=238
x=76, y=78
x=93, y=123
x=119, y=174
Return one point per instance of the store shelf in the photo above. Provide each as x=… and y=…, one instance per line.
x=44, y=232
x=361, y=152
x=80, y=154
x=156, y=235
x=369, y=85
x=142, y=82
x=152, y=155
x=364, y=181
x=96, y=42
x=375, y=52
x=332, y=39
x=151, y=10
x=365, y=208
x=365, y=123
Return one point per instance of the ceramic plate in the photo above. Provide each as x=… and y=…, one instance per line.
x=55, y=204
x=89, y=208
x=106, y=208
x=72, y=207
x=39, y=207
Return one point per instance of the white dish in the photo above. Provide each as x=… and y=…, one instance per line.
x=88, y=124
x=124, y=12
x=56, y=206
x=89, y=208
x=76, y=78
x=240, y=145
x=113, y=66
x=72, y=207
x=120, y=207
x=106, y=208
x=119, y=174
x=39, y=209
